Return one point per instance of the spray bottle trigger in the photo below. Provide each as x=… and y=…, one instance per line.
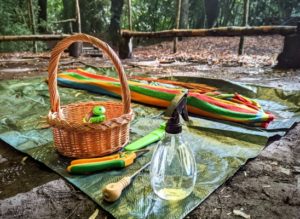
x=178, y=106
x=184, y=113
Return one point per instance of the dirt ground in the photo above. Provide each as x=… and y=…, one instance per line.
x=266, y=187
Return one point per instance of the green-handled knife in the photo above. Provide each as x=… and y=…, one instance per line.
x=152, y=137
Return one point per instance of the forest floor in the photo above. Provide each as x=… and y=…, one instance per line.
x=266, y=187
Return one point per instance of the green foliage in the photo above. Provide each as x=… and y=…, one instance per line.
x=266, y=12
x=272, y=13
x=54, y=13
x=95, y=15
x=147, y=15
x=14, y=21
x=151, y=15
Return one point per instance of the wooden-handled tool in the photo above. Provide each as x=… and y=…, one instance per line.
x=113, y=191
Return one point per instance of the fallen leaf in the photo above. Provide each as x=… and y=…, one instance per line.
x=77, y=94
x=242, y=214
x=23, y=160
x=95, y=214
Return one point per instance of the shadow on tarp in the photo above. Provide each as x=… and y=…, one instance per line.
x=220, y=148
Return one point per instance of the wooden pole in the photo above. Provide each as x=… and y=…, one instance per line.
x=32, y=23
x=78, y=16
x=245, y=23
x=64, y=21
x=175, y=41
x=44, y=37
x=129, y=14
x=76, y=48
x=220, y=31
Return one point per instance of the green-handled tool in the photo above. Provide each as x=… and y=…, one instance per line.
x=152, y=137
x=116, y=161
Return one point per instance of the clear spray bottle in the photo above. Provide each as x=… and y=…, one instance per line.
x=173, y=169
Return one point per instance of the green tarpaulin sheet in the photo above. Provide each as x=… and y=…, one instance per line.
x=220, y=148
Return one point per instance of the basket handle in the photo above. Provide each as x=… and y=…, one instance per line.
x=53, y=66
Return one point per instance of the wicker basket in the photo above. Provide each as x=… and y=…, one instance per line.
x=73, y=137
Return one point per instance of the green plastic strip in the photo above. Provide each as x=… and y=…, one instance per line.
x=96, y=166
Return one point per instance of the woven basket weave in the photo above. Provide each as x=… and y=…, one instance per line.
x=73, y=137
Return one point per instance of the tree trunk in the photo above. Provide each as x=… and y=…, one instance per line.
x=212, y=12
x=290, y=55
x=42, y=16
x=69, y=13
x=200, y=20
x=129, y=15
x=177, y=24
x=114, y=29
x=245, y=23
x=78, y=17
x=75, y=49
x=32, y=23
x=184, y=15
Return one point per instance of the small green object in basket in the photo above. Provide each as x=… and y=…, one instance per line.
x=99, y=110
x=97, y=115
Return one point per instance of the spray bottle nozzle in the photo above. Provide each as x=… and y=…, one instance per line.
x=178, y=107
